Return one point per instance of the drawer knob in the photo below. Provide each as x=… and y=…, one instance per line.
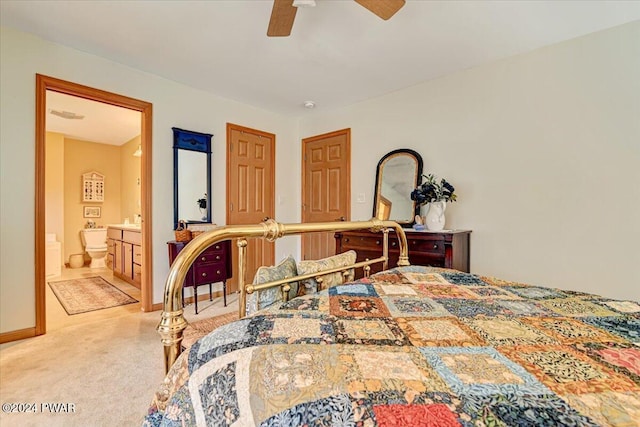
x=218, y=272
x=377, y=242
x=346, y=239
x=393, y=243
x=204, y=258
x=204, y=274
x=217, y=247
x=435, y=246
x=217, y=256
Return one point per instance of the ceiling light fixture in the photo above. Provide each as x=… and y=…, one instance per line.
x=304, y=3
x=66, y=114
x=309, y=104
x=138, y=152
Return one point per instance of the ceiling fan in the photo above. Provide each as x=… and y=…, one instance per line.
x=284, y=12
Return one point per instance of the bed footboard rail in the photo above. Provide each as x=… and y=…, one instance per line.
x=172, y=321
x=343, y=270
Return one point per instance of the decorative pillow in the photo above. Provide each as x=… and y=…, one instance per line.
x=263, y=299
x=331, y=279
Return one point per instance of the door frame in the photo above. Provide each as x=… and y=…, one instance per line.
x=44, y=83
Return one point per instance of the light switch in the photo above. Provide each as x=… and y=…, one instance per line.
x=361, y=198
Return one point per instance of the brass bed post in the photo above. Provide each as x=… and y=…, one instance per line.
x=385, y=248
x=172, y=321
x=242, y=272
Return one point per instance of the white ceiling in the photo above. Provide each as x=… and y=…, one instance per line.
x=102, y=123
x=339, y=53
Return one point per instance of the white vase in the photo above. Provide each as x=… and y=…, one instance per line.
x=435, y=216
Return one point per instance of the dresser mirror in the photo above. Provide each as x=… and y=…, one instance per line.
x=191, y=176
x=397, y=175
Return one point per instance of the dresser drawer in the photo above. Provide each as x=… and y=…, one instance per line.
x=449, y=249
x=216, y=248
x=209, y=272
x=363, y=242
x=426, y=259
x=210, y=255
x=432, y=246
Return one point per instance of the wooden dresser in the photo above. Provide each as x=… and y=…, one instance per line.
x=211, y=266
x=448, y=249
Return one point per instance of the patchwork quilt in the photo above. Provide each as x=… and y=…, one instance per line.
x=415, y=346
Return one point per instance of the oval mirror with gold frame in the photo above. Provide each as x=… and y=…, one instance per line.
x=397, y=175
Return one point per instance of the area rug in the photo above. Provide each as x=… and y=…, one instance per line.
x=200, y=328
x=88, y=294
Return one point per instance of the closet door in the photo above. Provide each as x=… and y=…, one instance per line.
x=250, y=192
x=326, y=188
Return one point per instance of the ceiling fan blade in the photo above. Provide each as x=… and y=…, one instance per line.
x=282, y=16
x=385, y=9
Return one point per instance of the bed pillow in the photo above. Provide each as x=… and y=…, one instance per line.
x=263, y=299
x=328, y=280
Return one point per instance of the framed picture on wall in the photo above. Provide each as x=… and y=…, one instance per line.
x=92, y=211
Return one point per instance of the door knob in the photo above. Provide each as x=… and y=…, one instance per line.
x=340, y=219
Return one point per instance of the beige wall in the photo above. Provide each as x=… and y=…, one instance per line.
x=129, y=180
x=54, y=185
x=64, y=190
x=81, y=157
x=544, y=152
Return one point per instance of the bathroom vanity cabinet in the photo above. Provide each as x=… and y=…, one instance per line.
x=124, y=254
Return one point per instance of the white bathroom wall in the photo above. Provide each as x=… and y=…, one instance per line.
x=544, y=152
x=21, y=57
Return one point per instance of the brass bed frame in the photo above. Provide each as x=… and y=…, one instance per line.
x=173, y=323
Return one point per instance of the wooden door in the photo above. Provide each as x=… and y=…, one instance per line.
x=250, y=192
x=326, y=188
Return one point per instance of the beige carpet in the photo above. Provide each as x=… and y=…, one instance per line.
x=88, y=294
x=200, y=328
x=108, y=370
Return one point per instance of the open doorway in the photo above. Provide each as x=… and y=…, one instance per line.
x=46, y=85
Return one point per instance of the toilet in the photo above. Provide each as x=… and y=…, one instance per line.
x=95, y=244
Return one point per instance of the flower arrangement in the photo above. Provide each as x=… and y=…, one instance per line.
x=202, y=203
x=433, y=191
